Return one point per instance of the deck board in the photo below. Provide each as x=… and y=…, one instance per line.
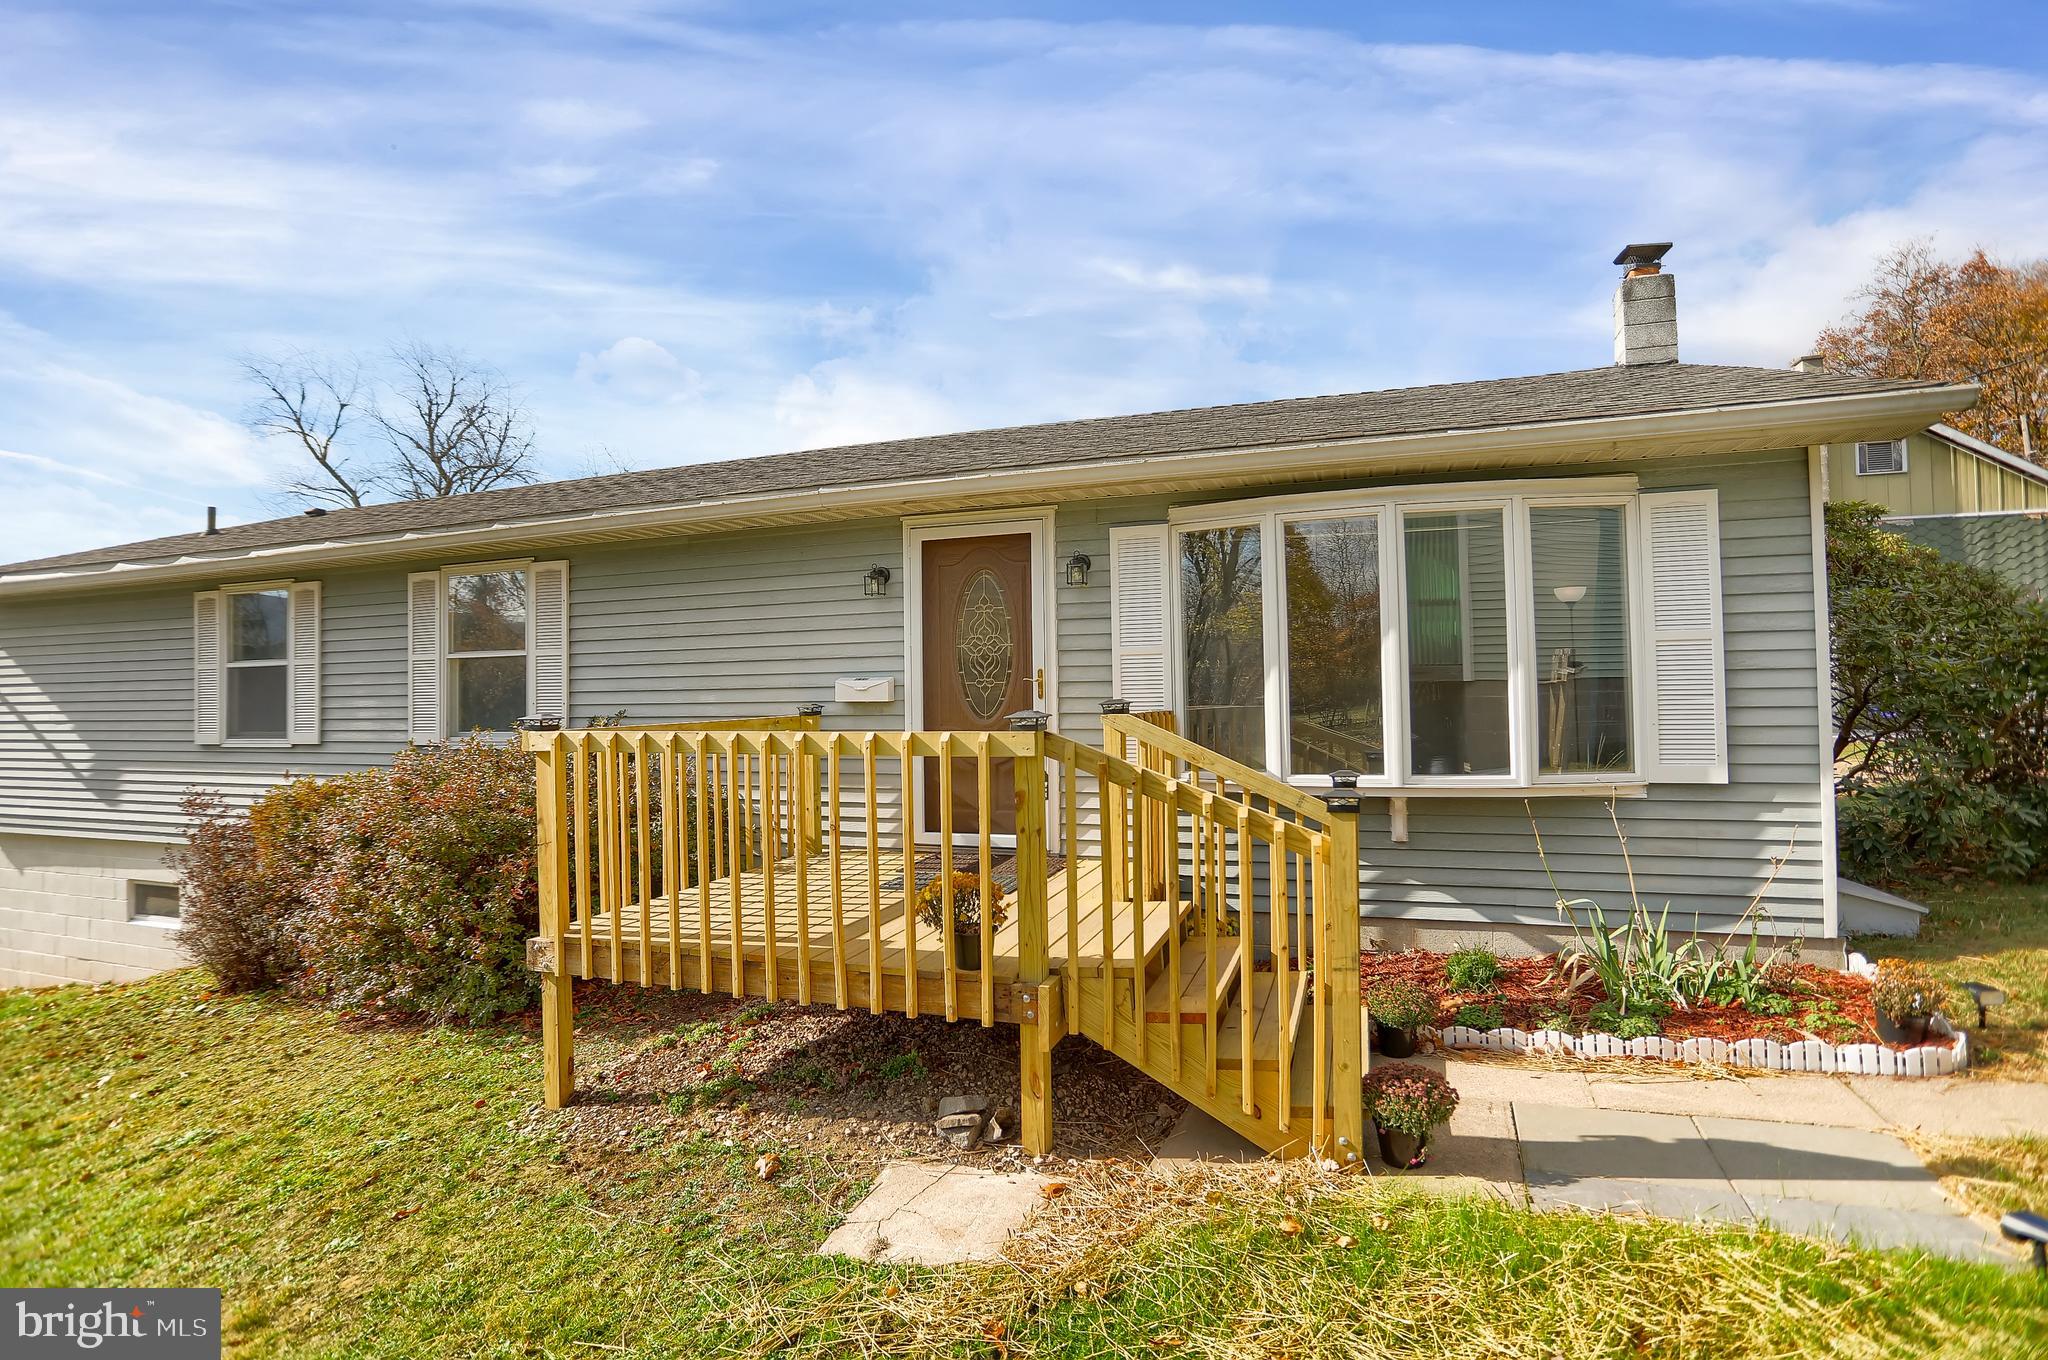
x=762, y=895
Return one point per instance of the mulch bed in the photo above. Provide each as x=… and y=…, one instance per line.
x=1529, y=991
x=858, y=1088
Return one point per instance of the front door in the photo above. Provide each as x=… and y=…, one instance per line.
x=979, y=663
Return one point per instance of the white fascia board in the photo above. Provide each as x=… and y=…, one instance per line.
x=1743, y=428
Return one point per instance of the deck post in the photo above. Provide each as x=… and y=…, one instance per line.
x=1339, y=965
x=551, y=854
x=1038, y=1032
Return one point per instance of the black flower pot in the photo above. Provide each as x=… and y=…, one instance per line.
x=1401, y=1150
x=967, y=948
x=1394, y=1043
x=1912, y=1030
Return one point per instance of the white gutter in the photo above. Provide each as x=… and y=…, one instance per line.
x=1912, y=409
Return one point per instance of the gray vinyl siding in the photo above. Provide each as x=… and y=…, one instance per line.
x=96, y=691
x=96, y=706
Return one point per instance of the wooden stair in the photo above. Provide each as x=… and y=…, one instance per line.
x=1180, y=998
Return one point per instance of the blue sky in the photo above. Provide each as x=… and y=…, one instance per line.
x=708, y=230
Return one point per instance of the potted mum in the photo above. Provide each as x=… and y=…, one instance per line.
x=1398, y=1008
x=967, y=912
x=1405, y=1102
x=1905, y=997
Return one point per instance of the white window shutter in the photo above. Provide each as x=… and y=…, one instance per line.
x=1688, y=737
x=549, y=669
x=207, y=654
x=303, y=694
x=423, y=658
x=1140, y=556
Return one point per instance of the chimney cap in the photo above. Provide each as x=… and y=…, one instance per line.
x=1646, y=256
x=1810, y=363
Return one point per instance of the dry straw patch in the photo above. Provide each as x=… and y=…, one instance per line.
x=1285, y=1260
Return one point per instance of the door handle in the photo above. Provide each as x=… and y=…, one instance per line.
x=1040, y=682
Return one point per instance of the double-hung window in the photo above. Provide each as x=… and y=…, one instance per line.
x=256, y=664
x=1516, y=635
x=488, y=645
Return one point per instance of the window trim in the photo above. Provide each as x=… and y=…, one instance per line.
x=1514, y=498
x=154, y=920
x=289, y=664
x=444, y=636
x=1905, y=453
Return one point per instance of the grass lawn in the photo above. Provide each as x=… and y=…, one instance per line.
x=389, y=1191
x=1996, y=933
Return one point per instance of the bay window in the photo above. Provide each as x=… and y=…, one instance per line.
x=1486, y=636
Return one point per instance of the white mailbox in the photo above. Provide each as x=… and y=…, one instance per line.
x=878, y=689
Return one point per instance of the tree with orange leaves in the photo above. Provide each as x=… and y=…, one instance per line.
x=1978, y=321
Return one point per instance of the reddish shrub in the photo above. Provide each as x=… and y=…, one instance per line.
x=244, y=881
x=424, y=896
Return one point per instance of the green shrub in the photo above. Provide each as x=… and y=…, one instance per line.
x=1478, y=1015
x=244, y=878
x=425, y=895
x=1473, y=969
x=1399, y=1004
x=1408, y=1098
x=1940, y=689
x=1637, y=1023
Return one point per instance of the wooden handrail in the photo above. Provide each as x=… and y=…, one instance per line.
x=1257, y=783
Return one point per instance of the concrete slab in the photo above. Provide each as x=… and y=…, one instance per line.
x=1943, y=1233
x=1968, y=1107
x=1475, y=1154
x=1831, y=1166
x=921, y=1213
x=1686, y=1201
x=1198, y=1137
x=1506, y=1082
x=1564, y=1145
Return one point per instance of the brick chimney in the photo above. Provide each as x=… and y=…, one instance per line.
x=1645, y=307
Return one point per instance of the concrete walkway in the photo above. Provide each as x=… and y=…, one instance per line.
x=1810, y=1154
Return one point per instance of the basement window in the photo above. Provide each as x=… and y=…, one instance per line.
x=153, y=902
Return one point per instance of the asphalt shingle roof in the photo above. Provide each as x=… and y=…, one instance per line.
x=1577, y=395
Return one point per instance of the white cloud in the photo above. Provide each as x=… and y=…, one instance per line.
x=640, y=370
x=1180, y=280
x=580, y=119
x=835, y=404
x=1011, y=221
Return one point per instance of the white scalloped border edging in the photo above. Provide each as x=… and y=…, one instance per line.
x=1807, y=1055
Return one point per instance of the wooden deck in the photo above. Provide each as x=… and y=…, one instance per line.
x=783, y=924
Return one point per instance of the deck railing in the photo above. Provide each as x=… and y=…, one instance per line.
x=767, y=857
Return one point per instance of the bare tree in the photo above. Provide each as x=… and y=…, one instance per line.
x=309, y=401
x=453, y=426
x=448, y=425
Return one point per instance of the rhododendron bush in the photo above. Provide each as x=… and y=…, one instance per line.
x=407, y=890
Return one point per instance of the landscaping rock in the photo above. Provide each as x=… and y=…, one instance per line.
x=963, y=1105
x=962, y=1130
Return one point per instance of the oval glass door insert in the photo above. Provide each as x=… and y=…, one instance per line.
x=984, y=652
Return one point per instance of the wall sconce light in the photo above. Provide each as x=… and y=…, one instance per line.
x=876, y=583
x=1077, y=569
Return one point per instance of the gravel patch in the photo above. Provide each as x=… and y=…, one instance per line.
x=858, y=1088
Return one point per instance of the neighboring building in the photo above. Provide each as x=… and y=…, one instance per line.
x=1968, y=500
x=1559, y=589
